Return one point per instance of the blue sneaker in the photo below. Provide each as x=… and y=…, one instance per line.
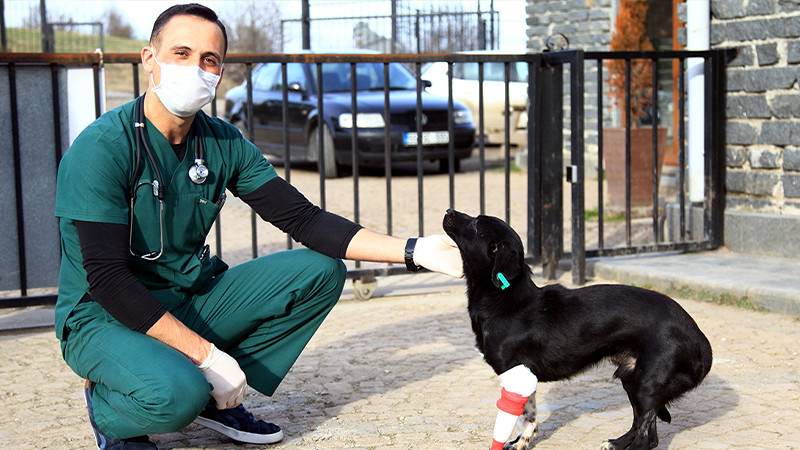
x=104, y=442
x=239, y=425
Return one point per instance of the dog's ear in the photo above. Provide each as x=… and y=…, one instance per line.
x=506, y=262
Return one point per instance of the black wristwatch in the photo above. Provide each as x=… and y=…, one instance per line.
x=409, y=255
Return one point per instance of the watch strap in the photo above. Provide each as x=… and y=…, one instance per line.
x=409, y=255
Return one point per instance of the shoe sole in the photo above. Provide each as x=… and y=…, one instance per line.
x=240, y=436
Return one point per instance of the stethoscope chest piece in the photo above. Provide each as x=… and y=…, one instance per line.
x=198, y=172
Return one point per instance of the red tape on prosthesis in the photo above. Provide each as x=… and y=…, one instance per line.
x=511, y=402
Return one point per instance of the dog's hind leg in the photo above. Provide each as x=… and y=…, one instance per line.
x=529, y=427
x=626, y=439
x=646, y=436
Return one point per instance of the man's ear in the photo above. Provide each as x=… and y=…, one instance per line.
x=506, y=262
x=147, y=59
x=221, y=73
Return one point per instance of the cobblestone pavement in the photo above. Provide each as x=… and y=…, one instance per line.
x=400, y=371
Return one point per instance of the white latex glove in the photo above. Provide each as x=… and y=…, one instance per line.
x=228, y=381
x=439, y=253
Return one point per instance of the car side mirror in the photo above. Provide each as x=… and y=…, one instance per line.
x=426, y=84
x=296, y=87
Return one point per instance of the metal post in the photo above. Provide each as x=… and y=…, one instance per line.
x=394, y=26
x=3, y=38
x=416, y=33
x=576, y=93
x=546, y=159
x=47, y=32
x=306, y=19
x=491, y=23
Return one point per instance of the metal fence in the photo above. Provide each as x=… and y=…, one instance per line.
x=528, y=194
x=405, y=30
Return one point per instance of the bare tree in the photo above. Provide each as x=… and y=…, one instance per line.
x=116, y=25
x=253, y=27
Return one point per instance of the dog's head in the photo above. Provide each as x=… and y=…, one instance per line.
x=489, y=248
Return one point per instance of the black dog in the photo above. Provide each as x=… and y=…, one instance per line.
x=556, y=332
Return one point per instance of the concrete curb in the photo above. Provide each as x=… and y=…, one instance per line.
x=765, y=282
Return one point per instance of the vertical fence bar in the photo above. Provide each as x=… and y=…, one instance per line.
x=98, y=110
x=628, y=121
x=482, y=140
x=15, y=143
x=600, y=175
x=420, y=203
x=287, y=152
x=507, y=138
x=682, y=147
x=655, y=149
x=135, y=69
x=56, y=114
x=354, y=143
x=321, y=142
x=451, y=137
x=251, y=133
x=534, y=166
x=715, y=145
x=387, y=137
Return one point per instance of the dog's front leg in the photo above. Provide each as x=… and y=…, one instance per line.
x=529, y=427
x=518, y=386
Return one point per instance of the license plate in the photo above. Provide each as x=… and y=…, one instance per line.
x=428, y=138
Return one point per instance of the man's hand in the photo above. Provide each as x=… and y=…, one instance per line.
x=228, y=381
x=439, y=253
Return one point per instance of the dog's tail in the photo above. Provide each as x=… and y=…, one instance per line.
x=663, y=414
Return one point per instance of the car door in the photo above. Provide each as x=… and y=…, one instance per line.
x=264, y=100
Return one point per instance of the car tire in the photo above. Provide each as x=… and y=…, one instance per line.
x=331, y=168
x=444, y=165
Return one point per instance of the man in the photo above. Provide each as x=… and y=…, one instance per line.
x=162, y=332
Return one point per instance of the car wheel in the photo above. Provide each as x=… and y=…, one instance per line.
x=444, y=165
x=331, y=168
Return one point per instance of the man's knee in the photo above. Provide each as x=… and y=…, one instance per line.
x=176, y=401
x=331, y=271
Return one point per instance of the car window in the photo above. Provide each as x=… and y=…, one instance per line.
x=369, y=76
x=264, y=77
x=522, y=71
x=492, y=71
x=294, y=75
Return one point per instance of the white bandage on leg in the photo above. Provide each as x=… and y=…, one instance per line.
x=518, y=383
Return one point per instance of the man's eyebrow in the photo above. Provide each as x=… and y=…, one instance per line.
x=175, y=48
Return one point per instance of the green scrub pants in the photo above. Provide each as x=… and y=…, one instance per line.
x=262, y=313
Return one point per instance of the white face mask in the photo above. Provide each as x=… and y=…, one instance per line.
x=184, y=89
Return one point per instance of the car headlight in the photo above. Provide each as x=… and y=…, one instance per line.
x=365, y=120
x=462, y=117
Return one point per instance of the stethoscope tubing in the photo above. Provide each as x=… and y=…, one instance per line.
x=198, y=174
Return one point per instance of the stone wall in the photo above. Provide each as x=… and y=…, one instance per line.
x=763, y=102
x=587, y=24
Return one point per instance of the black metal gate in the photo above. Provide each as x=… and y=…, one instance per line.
x=547, y=88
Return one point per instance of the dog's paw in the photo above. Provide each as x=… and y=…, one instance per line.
x=607, y=445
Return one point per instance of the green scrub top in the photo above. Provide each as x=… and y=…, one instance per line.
x=94, y=178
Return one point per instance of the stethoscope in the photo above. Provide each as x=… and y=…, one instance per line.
x=198, y=173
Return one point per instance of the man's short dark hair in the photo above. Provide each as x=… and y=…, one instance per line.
x=190, y=9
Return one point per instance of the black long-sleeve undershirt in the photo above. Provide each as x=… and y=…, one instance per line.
x=104, y=247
